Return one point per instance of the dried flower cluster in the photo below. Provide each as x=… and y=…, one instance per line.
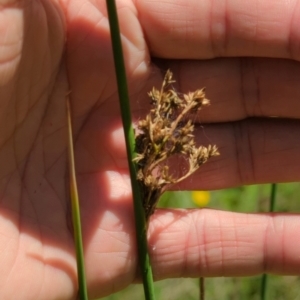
x=165, y=132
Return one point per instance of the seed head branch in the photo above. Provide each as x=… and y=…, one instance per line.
x=165, y=133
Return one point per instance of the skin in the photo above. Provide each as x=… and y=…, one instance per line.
x=246, y=54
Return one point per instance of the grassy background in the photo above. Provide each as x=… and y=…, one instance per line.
x=244, y=199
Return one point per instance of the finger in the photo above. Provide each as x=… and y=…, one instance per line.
x=205, y=242
x=207, y=29
x=251, y=151
x=237, y=87
x=242, y=87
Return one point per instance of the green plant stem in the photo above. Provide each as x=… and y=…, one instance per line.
x=140, y=220
x=201, y=288
x=76, y=212
x=264, y=280
x=273, y=197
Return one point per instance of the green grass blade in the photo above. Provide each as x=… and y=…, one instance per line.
x=264, y=280
x=76, y=212
x=264, y=284
x=140, y=221
x=201, y=288
x=273, y=197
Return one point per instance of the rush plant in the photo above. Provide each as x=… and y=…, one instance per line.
x=166, y=132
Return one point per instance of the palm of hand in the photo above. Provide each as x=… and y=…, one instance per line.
x=36, y=236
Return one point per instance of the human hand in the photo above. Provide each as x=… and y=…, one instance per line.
x=37, y=250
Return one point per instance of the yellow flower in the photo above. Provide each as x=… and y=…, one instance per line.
x=201, y=198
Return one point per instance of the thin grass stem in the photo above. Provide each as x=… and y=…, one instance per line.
x=273, y=197
x=76, y=212
x=140, y=220
x=201, y=288
x=264, y=280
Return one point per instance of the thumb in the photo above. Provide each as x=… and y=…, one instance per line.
x=11, y=39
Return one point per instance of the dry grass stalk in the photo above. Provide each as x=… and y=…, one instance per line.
x=166, y=132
